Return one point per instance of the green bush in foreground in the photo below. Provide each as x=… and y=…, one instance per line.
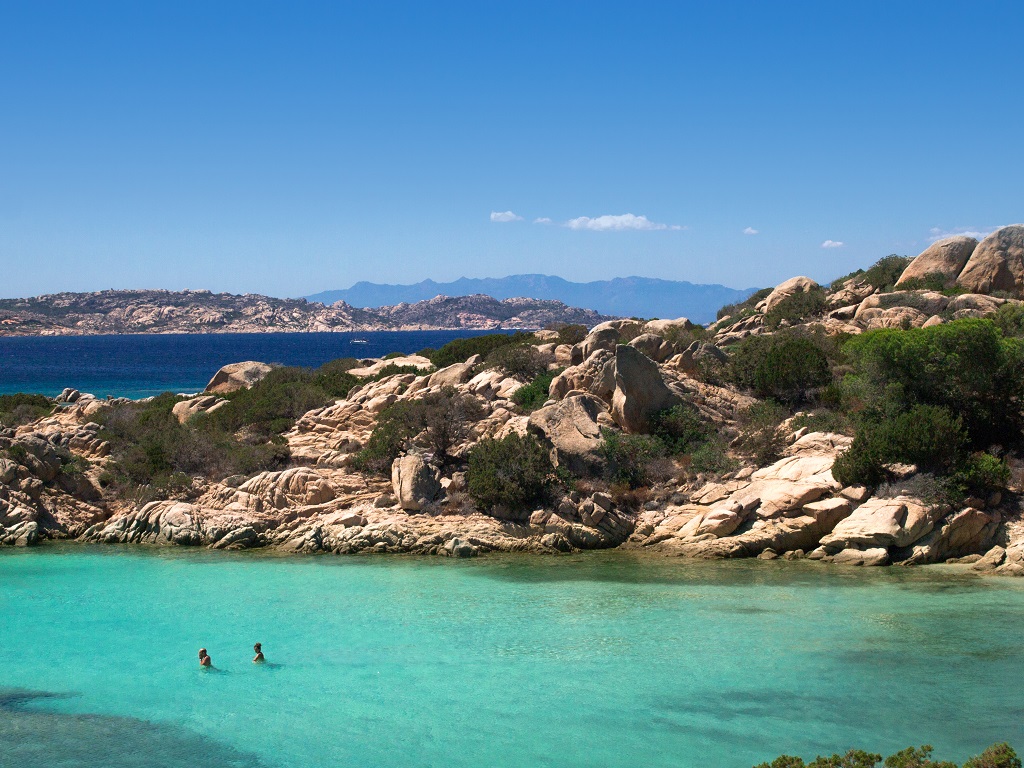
x=996, y=756
x=630, y=457
x=460, y=350
x=21, y=408
x=784, y=366
x=514, y=472
x=796, y=308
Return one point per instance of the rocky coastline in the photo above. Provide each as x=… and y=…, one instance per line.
x=157, y=311
x=613, y=381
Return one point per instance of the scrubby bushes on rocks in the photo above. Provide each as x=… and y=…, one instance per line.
x=632, y=460
x=680, y=429
x=521, y=361
x=460, y=350
x=796, y=308
x=760, y=437
x=996, y=756
x=787, y=366
x=21, y=408
x=535, y=394
x=884, y=273
x=514, y=472
x=438, y=422
x=747, y=305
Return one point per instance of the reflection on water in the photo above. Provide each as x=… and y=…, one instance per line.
x=31, y=737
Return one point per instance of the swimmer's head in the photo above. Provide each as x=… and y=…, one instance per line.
x=257, y=647
x=202, y=652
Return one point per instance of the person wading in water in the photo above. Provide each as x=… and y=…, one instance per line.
x=204, y=658
x=259, y=654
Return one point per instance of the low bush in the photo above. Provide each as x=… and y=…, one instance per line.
x=680, y=429
x=796, y=308
x=760, y=437
x=929, y=437
x=982, y=473
x=521, y=361
x=569, y=333
x=631, y=459
x=150, y=449
x=514, y=472
x=933, y=281
x=460, y=350
x=535, y=394
x=787, y=366
x=996, y=756
x=712, y=458
x=749, y=303
x=825, y=420
x=22, y=408
x=437, y=422
x=1009, y=319
x=884, y=273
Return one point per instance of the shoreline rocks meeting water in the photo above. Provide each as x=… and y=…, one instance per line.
x=640, y=435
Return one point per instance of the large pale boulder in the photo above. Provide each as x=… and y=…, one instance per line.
x=997, y=264
x=186, y=409
x=601, y=338
x=414, y=482
x=570, y=429
x=595, y=375
x=785, y=290
x=237, y=376
x=666, y=328
x=640, y=392
x=880, y=522
x=655, y=347
x=459, y=373
x=945, y=257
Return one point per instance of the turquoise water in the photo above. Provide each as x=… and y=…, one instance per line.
x=591, y=660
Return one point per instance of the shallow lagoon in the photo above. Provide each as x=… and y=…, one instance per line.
x=598, y=659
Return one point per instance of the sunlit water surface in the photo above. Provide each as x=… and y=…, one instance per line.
x=590, y=660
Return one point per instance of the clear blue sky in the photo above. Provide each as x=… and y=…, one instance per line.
x=288, y=148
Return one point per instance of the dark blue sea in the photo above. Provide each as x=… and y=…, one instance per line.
x=143, y=365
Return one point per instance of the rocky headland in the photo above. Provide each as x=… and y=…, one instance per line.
x=657, y=436
x=143, y=311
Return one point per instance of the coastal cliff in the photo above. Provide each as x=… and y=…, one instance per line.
x=110, y=312
x=872, y=422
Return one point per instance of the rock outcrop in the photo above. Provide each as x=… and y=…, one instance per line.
x=997, y=264
x=946, y=258
x=236, y=376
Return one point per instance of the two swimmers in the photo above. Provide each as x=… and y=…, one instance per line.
x=205, y=661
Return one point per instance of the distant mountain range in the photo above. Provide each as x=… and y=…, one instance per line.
x=623, y=296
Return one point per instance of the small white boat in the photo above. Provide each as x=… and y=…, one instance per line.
x=358, y=341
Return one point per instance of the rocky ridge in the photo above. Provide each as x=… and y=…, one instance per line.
x=109, y=312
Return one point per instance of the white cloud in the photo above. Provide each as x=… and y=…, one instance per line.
x=832, y=244
x=542, y=220
x=936, y=233
x=614, y=223
x=504, y=216
x=750, y=231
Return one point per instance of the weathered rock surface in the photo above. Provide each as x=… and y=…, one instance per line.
x=571, y=430
x=997, y=264
x=946, y=257
x=414, y=481
x=640, y=392
x=237, y=376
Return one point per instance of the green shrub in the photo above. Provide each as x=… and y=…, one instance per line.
x=521, y=361
x=396, y=426
x=930, y=437
x=884, y=273
x=796, y=308
x=760, y=437
x=966, y=366
x=460, y=350
x=996, y=756
x=680, y=429
x=570, y=334
x=630, y=457
x=437, y=422
x=982, y=473
x=933, y=281
x=712, y=457
x=785, y=366
x=731, y=309
x=535, y=394
x=392, y=355
x=838, y=283
x=825, y=420
x=22, y=408
x=149, y=448
x=1009, y=319
x=514, y=472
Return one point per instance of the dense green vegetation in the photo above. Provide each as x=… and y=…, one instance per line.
x=521, y=361
x=788, y=366
x=460, y=350
x=22, y=408
x=996, y=756
x=515, y=473
x=882, y=275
